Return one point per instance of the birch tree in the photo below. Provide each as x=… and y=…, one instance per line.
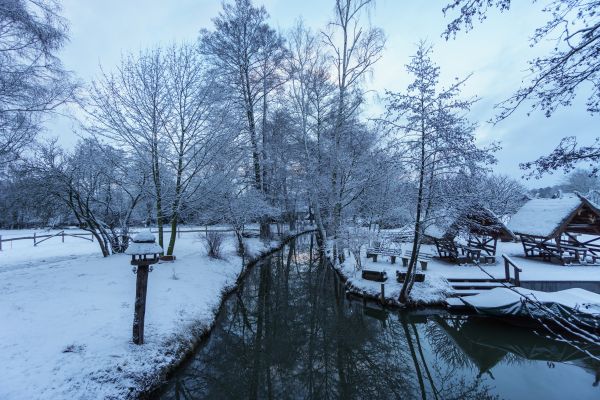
x=355, y=49
x=310, y=95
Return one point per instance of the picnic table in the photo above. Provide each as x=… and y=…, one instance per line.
x=471, y=253
x=564, y=252
x=573, y=252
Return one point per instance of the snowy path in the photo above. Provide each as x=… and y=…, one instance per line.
x=66, y=319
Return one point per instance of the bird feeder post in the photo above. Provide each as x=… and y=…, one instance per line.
x=139, y=313
x=144, y=252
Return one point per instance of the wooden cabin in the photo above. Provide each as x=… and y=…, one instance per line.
x=566, y=229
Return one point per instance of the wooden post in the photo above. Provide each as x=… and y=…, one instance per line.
x=517, y=278
x=141, y=287
x=63, y=236
x=34, y=241
x=383, y=293
x=0, y=242
x=506, y=269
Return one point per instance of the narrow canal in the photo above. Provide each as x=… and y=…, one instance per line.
x=290, y=333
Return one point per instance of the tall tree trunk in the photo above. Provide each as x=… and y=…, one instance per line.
x=158, y=191
x=177, y=200
x=408, y=282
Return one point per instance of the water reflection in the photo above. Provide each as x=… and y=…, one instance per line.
x=291, y=333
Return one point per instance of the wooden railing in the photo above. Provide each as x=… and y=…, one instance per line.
x=508, y=262
x=37, y=239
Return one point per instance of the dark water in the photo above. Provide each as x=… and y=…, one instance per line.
x=290, y=333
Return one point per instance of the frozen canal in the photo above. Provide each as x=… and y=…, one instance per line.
x=291, y=333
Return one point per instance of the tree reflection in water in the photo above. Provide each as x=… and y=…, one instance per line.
x=289, y=332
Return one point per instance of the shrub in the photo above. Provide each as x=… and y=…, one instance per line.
x=213, y=242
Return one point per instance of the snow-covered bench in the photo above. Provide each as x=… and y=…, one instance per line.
x=423, y=259
x=401, y=276
x=374, y=275
x=373, y=252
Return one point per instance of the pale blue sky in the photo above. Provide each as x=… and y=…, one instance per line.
x=495, y=52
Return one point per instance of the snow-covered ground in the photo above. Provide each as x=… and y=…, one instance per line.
x=67, y=316
x=432, y=291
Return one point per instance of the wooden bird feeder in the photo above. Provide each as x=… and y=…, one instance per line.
x=144, y=252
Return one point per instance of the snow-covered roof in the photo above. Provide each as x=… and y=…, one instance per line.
x=144, y=236
x=542, y=217
x=435, y=232
x=143, y=243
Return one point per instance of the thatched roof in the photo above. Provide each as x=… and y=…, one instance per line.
x=483, y=222
x=477, y=221
x=549, y=218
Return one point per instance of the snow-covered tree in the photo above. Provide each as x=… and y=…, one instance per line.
x=355, y=47
x=99, y=184
x=570, y=67
x=246, y=54
x=33, y=81
x=436, y=142
x=130, y=107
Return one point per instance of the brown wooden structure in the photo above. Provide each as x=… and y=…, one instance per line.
x=566, y=229
x=482, y=228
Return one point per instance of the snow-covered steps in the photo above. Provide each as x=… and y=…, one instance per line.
x=479, y=285
x=461, y=280
x=471, y=287
x=454, y=303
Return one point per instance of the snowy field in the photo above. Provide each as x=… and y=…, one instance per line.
x=67, y=316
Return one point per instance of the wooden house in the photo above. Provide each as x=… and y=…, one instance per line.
x=566, y=229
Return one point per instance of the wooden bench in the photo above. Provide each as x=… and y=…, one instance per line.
x=373, y=252
x=423, y=259
x=373, y=275
x=401, y=277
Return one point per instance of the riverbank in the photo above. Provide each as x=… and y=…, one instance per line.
x=535, y=274
x=432, y=292
x=67, y=320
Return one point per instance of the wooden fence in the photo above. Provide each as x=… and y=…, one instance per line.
x=37, y=239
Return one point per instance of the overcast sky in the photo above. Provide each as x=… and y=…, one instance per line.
x=496, y=52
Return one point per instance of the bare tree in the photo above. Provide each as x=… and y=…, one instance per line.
x=98, y=183
x=195, y=131
x=573, y=65
x=33, y=81
x=130, y=106
x=310, y=94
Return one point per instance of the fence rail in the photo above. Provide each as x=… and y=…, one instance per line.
x=508, y=262
x=37, y=239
